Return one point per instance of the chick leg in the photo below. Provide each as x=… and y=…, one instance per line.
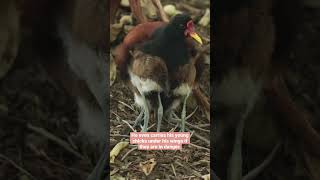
x=183, y=113
x=146, y=114
x=236, y=161
x=160, y=112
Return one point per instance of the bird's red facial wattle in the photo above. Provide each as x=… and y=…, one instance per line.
x=191, y=32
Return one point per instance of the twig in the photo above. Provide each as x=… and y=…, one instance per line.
x=125, y=104
x=204, y=125
x=189, y=116
x=119, y=135
x=295, y=118
x=189, y=8
x=115, y=114
x=189, y=169
x=199, y=147
x=17, y=166
x=173, y=129
x=131, y=150
x=196, y=135
x=163, y=15
x=173, y=170
x=192, y=132
x=193, y=126
x=129, y=126
x=207, y=141
x=44, y=154
x=59, y=141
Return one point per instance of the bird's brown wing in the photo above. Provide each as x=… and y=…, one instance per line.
x=184, y=74
x=138, y=34
x=149, y=67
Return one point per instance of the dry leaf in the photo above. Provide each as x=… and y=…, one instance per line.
x=126, y=19
x=116, y=150
x=148, y=166
x=149, y=9
x=171, y=10
x=113, y=70
x=205, y=20
x=206, y=177
x=9, y=36
x=115, y=31
x=207, y=115
x=125, y=3
x=207, y=59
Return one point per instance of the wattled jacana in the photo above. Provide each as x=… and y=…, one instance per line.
x=160, y=65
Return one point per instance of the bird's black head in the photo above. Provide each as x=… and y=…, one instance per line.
x=180, y=22
x=181, y=25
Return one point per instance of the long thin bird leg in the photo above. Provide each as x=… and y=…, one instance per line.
x=235, y=162
x=146, y=114
x=202, y=100
x=160, y=112
x=183, y=113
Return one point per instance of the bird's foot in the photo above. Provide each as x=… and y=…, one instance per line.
x=138, y=119
x=146, y=115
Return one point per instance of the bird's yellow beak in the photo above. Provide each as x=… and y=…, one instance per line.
x=196, y=37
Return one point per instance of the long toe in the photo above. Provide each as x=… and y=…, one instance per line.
x=138, y=119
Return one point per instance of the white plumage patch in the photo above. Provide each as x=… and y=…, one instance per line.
x=182, y=90
x=144, y=85
x=138, y=100
x=237, y=88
